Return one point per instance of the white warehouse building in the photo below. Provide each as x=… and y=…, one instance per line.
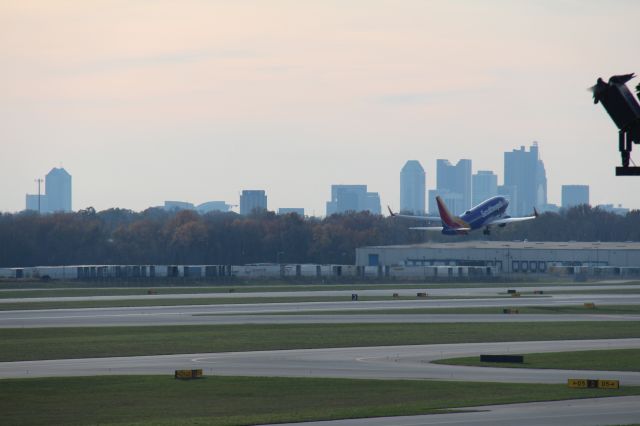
x=504, y=256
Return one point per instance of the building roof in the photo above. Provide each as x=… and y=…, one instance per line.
x=514, y=245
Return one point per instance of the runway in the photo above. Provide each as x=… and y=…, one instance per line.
x=450, y=291
x=262, y=313
x=383, y=362
x=91, y=320
x=576, y=412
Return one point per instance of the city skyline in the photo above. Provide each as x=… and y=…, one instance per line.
x=453, y=180
x=296, y=95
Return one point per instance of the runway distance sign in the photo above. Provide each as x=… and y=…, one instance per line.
x=608, y=384
x=188, y=374
x=593, y=383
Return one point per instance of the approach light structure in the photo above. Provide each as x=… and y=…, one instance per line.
x=624, y=109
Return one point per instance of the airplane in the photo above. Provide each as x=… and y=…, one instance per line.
x=490, y=212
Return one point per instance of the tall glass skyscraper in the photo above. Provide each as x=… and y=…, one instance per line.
x=252, y=200
x=455, y=180
x=525, y=171
x=58, y=184
x=352, y=198
x=574, y=195
x=412, y=188
x=485, y=186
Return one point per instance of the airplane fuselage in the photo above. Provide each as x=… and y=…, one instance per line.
x=478, y=217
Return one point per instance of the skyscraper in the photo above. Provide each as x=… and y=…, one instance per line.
x=373, y=203
x=509, y=192
x=58, y=186
x=412, y=188
x=288, y=210
x=574, y=195
x=352, y=198
x=453, y=200
x=484, y=185
x=57, y=194
x=455, y=180
x=252, y=200
x=525, y=171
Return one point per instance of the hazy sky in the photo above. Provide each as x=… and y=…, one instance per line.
x=146, y=101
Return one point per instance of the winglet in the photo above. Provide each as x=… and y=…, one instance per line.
x=535, y=212
x=390, y=212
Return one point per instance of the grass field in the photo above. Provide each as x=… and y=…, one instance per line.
x=9, y=289
x=606, y=360
x=87, y=342
x=74, y=304
x=572, y=309
x=161, y=400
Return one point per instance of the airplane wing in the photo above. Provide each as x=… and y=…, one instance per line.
x=427, y=218
x=437, y=228
x=427, y=228
x=506, y=220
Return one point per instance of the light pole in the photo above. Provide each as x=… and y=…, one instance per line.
x=39, y=181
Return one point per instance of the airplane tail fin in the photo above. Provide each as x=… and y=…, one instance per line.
x=448, y=220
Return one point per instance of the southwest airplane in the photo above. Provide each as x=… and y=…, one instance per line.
x=488, y=213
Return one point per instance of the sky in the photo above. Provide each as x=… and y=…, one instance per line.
x=143, y=101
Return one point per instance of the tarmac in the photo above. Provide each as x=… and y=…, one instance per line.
x=342, y=312
x=389, y=362
x=575, y=412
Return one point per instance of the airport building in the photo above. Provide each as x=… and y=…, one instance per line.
x=505, y=256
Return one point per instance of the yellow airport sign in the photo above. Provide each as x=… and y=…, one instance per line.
x=577, y=383
x=593, y=383
x=188, y=374
x=609, y=384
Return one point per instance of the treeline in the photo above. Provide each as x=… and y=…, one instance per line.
x=154, y=236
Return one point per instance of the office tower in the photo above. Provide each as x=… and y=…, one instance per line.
x=541, y=187
x=213, y=206
x=510, y=193
x=525, y=171
x=286, y=210
x=57, y=194
x=32, y=203
x=574, y=195
x=412, y=188
x=455, y=180
x=432, y=206
x=252, y=200
x=58, y=187
x=453, y=201
x=484, y=185
x=352, y=198
x=622, y=211
x=373, y=203
x=178, y=205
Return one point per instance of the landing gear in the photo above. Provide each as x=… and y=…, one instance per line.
x=486, y=231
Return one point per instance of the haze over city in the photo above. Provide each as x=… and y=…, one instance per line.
x=150, y=101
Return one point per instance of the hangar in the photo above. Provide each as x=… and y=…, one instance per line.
x=504, y=256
